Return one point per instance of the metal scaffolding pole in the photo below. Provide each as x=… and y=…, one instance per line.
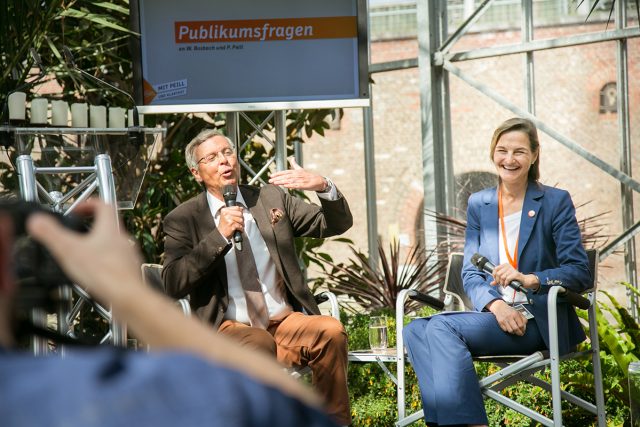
x=281, y=140
x=100, y=176
x=28, y=190
x=370, y=167
x=529, y=76
x=626, y=193
x=370, y=185
x=437, y=164
x=233, y=128
x=107, y=191
x=537, y=45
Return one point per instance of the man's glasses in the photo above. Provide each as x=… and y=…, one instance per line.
x=213, y=157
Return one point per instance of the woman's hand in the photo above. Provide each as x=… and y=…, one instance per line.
x=510, y=320
x=504, y=274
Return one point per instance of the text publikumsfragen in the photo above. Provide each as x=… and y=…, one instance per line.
x=265, y=29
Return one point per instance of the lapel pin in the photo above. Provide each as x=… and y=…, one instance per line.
x=532, y=214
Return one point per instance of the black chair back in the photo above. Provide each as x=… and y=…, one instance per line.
x=453, y=282
x=593, y=255
x=152, y=276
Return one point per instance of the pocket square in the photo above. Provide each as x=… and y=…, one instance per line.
x=276, y=215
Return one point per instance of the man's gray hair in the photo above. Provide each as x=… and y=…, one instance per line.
x=190, y=149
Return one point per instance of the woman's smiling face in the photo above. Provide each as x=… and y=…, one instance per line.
x=513, y=157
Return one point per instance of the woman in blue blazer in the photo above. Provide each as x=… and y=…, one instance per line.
x=529, y=231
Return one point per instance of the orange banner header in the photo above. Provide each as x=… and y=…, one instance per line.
x=254, y=30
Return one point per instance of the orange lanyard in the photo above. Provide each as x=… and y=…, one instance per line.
x=512, y=260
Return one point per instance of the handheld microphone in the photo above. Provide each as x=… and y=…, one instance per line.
x=229, y=194
x=135, y=135
x=5, y=134
x=483, y=263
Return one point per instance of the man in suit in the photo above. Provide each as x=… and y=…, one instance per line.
x=262, y=311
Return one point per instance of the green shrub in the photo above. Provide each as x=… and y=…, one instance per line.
x=370, y=410
x=373, y=394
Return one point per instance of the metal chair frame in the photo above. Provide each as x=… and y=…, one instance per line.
x=396, y=355
x=522, y=367
x=152, y=276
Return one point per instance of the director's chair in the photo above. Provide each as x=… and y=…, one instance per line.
x=152, y=276
x=517, y=368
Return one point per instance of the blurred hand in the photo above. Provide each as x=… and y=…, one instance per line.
x=298, y=178
x=102, y=260
x=108, y=266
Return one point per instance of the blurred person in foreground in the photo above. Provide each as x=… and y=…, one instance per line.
x=530, y=232
x=193, y=377
x=255, y=292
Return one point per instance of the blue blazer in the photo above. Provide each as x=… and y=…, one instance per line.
x=549, y=246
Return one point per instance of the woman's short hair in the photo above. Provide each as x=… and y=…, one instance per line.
x=190, y=149
x=522, y=125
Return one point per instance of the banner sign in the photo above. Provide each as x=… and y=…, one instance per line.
x=250, y=53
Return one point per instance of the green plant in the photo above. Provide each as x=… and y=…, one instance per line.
x=539, y=399
x=372, y=392
x=95, y=31
x=619, y=345
x=619, y=336
x=596, y=3
x=620, y=339
x=376, y=288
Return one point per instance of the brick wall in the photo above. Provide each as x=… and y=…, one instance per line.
x=568, y=83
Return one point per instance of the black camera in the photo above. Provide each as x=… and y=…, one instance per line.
x=36, y=272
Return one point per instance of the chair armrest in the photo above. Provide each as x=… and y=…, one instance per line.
x=321, y=297
x=426, y=299
x=184, y=306
x=400, y=300
x=573, y=298
x=552, y=313
x=325, y=296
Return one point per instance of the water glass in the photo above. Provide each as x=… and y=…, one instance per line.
x=378, y=333
x=634, y=393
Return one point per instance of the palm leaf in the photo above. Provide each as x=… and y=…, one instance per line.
x=613, y=5
x=377, y=288
x=114, y=7
x=101, y=20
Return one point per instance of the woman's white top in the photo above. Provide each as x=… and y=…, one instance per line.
x=512, y=228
